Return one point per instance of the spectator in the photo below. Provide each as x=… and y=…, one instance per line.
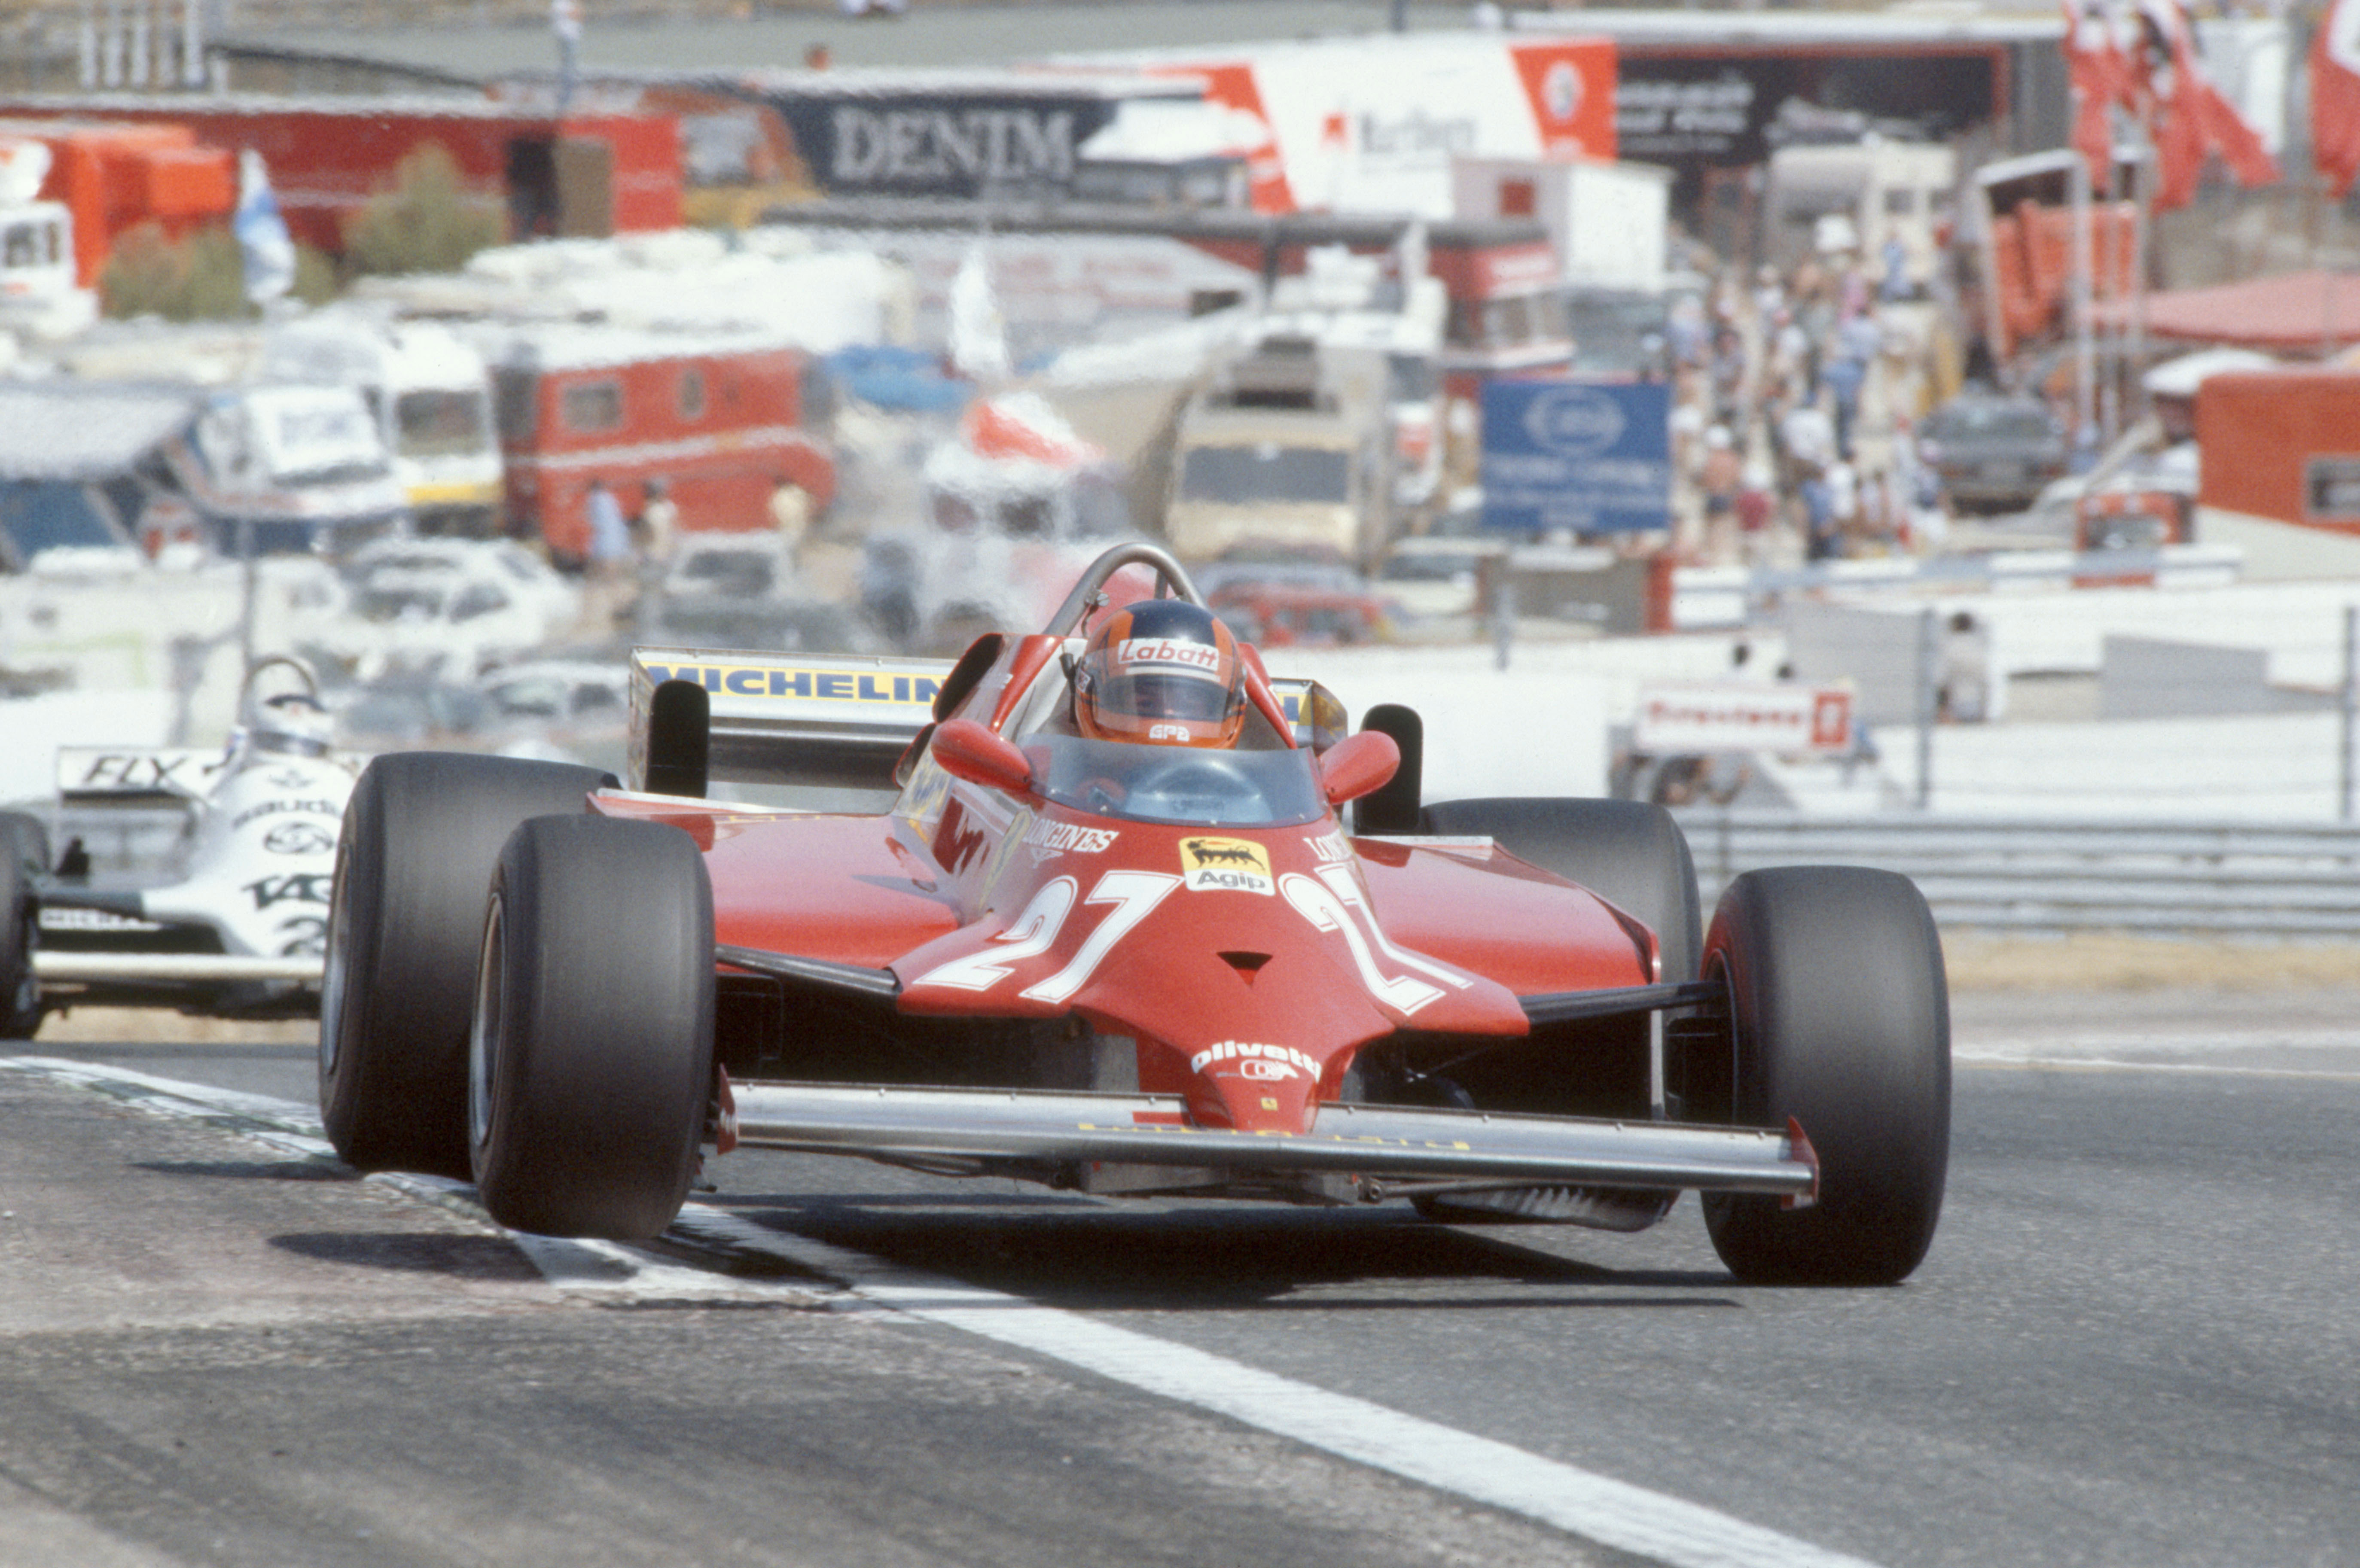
x=1844, y=377
x=658, y=523
x=1883, y=525
x=1964, y=695
x=1719, y=480
x=1692, y=780
x=1843, y=504
x=1896, y=257
x=1756, y=506
x=610, y=557
x=654, y=531
x=790, y=515
x=1821, y=540
x=1728, y=376
x=1810, y=437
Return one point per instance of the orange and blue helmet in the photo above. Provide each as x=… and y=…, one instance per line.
x=1163, y=671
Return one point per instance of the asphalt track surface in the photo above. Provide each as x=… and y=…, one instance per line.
x=2134, y=1343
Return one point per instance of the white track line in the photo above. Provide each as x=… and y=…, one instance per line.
x=595, y=1271
x=2102, y=1064
x=1612, y=1513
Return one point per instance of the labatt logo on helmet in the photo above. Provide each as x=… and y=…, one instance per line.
x=1169, y=653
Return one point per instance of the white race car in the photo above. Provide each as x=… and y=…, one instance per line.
x=241, y=930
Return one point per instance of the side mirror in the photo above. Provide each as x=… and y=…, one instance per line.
x=1357, y=765
x=967, y=750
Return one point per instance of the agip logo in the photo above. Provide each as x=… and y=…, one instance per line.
x=1574, y=421
x=1225, y=865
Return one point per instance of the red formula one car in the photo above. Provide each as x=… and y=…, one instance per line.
x=1115, y=934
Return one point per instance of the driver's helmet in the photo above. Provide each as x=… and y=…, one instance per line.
x=293, y=723
x=1164, y=672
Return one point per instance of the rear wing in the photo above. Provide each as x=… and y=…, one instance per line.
x=840, y=721
x=138, y=775
x=830, y=720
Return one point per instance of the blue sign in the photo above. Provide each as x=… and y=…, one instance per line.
x=1595, y=457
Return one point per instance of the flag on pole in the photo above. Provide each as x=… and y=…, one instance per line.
x=2335, y=96
x=2187, y=115
x=2100, y=75
x=263, y=242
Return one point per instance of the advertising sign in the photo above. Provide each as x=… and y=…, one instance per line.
x=1370, y=125
x=1717, y=106
x=1783, y=720
x=1591, y=457
x=962, y=143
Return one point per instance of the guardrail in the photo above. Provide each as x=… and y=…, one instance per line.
x=2249, y=878
x=1703, y=597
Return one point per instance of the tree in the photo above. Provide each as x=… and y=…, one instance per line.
x=198, y=278
x=428, y=221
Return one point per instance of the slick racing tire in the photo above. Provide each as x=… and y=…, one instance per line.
x=420, y=834
x=24, y=840
x=1630, y=854
x=1634, y=857
x=20, y=991
x=1841, y=1016
x=590, y=1056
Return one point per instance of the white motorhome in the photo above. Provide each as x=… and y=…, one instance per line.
x=431, y=396
x=39, y=295
x=287, y=468
x=1340, y=304
x=1856, y=197
x=1288, y=447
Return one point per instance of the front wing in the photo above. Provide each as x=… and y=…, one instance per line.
x=110, y=940
x=1053, y=1128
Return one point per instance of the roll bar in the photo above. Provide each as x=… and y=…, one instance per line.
x=1088, y=593
x=310, y=682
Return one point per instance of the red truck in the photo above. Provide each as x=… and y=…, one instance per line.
x=112, y=177
x=718, y=419
x=586, y=175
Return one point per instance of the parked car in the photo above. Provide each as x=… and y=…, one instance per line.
x=528, y=580
x=741, y=590
x=1994, y=451
x=1280, y=615
x=442, y=607
x=1433, y=575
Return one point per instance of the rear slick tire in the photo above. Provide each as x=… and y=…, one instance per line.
x=1840, y=1016
x=1634, y=855
x=1630, y=854
x=420, y=834
x=590, y=1056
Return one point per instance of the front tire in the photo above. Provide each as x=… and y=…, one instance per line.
x=420, y=834
x=20, y=990
x=590, y=1057
x=1840, y=1020
x=25, y=839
